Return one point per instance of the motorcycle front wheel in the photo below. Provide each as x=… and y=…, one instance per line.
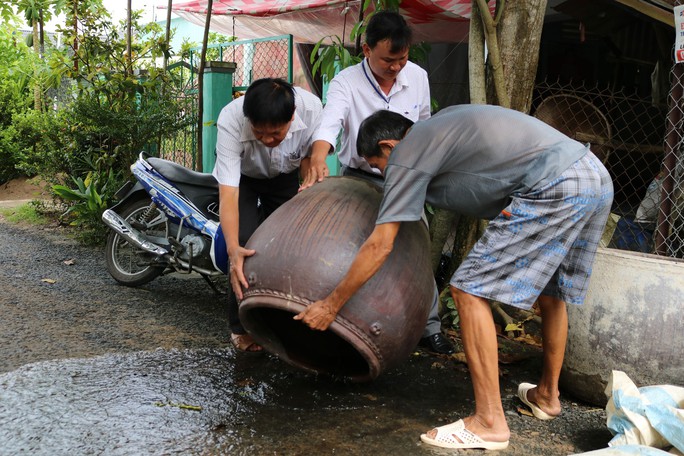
x=128, y=264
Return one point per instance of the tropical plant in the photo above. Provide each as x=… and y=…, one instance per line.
x=448, y=310
x=87, y=203
x=331, y=53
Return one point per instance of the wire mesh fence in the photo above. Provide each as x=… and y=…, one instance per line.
x=259, y=58
x=181, y=147
x=626, y=132
x=254, y=59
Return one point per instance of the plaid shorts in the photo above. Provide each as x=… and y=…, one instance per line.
x=544, y=242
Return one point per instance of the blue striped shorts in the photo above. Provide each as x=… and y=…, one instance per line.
x=544, y=242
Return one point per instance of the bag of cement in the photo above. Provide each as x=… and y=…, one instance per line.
x=622, y=450
x=650, y=415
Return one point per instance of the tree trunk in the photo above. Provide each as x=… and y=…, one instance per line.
x=167, y=38
x=513, y=45
x=36, y=75
x=440, y=227
x=519, y=34
x=41, y=31
x=476, y=58
x=129, y=52
x=497, y=73
x=75, y=25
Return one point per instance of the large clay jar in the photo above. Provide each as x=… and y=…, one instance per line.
x=303, y=250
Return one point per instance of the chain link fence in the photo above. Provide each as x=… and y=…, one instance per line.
x=254, y=59
x=626, y=132
x=181, y=147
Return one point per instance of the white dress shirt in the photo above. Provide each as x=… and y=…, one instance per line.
x=354, y=94
x=239, y=152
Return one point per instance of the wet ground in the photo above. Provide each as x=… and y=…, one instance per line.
x=91, y=367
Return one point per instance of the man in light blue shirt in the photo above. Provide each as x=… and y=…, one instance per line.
x=263, y=139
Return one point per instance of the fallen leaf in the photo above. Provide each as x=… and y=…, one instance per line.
x=196, y=408
x=48, y=280
x=510, y=358
x=525, y=412
x=370, y=397
x=245, y=382
x=69, y=262
x=460, y=357
x=529, y=339
x=513, y=327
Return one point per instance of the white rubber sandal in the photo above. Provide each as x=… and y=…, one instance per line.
x=456, y=436
x=538, y=413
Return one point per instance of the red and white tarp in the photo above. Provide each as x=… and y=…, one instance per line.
x=438, y=21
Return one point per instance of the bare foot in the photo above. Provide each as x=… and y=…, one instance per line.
x=544, y=404
x=245, y=343
x=549, y=404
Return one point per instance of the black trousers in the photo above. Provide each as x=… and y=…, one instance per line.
x=258, y=199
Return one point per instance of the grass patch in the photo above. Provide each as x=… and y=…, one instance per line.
x=26, y=213
x=38, y=213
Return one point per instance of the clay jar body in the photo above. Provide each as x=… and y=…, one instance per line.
x=303, y=250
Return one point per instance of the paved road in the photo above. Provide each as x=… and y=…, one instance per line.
x=91, y=367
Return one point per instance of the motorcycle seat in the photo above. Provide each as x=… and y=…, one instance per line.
x=180, y=174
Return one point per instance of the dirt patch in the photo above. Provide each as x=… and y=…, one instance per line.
x=24, y=188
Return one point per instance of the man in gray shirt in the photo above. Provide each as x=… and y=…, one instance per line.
x=548, y=198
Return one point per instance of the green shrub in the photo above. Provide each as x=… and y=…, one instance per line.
x=11, y=101
x=42, y=142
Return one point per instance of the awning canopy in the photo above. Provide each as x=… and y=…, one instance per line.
x=310, y=20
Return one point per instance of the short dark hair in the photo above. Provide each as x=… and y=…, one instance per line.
x=389, y=25
x=269, y=101
x=377, y=127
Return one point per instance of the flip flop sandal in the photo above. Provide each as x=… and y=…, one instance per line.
x=245, y=344
x=456, y=436
x=538, y=413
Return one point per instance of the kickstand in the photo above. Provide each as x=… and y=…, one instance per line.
x=213, y=286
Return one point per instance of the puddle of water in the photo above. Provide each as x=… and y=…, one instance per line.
x=207, y=402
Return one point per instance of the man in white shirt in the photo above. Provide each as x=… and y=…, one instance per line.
x=385, y=79
x=263, y=138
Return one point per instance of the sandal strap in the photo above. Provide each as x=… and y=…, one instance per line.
x=456, y=433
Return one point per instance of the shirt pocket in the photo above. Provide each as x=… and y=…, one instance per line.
x=410, y=111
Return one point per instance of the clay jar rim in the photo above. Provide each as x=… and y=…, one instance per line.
x=341, y=327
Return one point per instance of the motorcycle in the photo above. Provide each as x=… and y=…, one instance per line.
x=165, y=221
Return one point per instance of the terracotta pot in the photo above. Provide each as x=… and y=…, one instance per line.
x=303, y=250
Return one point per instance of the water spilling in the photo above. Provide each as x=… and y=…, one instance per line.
x=208, y=402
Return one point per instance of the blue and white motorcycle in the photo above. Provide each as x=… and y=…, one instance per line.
x=166, y=221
